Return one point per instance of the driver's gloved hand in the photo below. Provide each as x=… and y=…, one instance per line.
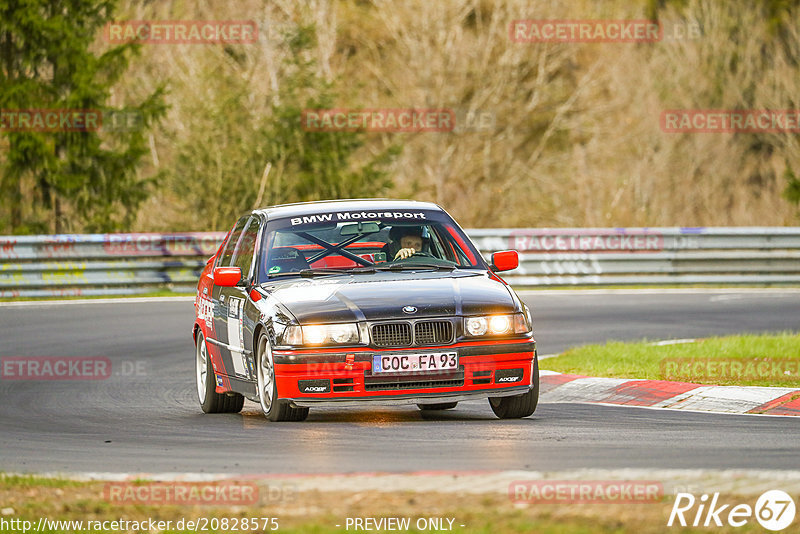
x=404, y=253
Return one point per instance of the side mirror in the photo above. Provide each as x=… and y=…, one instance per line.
x=505, y=260
x=227, y=276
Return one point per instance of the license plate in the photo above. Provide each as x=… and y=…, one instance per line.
x=414, y=363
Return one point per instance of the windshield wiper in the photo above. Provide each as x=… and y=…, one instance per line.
x=364, y=269
x=415, y=266
x=322, y=271
x=306, y=273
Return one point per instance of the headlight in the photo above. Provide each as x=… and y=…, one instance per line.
x=314, y=334
x=476, y=326
x=500, y=324
x=496, y=325
x=322, y=334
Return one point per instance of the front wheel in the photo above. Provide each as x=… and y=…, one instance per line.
x=210, y=400
x=274, y=409
x=518, y=406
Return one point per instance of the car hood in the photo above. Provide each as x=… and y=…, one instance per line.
x=381, y=296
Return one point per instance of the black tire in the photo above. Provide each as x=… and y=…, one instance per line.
x=273, y=407
x=210, y=400
x=440, y=406
x=518, y=406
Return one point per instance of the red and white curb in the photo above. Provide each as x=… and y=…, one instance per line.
x=557, y=387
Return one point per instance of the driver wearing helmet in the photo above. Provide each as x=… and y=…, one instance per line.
x=405, y=241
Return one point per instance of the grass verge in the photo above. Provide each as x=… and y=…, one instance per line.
x=745, y=360
x=31, y=499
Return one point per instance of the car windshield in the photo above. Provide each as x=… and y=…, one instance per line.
x=331, y=243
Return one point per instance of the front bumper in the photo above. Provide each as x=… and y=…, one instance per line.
x=344, y=377
x=385, y=400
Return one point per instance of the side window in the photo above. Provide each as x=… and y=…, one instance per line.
x=245, y=249
x=449, y=249
x=227, y=253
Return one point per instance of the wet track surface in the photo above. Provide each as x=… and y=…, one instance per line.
x=145, y=418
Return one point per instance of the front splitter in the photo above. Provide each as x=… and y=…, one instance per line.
x=413, y=398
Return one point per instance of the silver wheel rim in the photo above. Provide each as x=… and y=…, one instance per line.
x=201, y=366
x=265, y=375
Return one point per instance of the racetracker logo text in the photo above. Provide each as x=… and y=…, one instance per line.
x=585, y=491
x=686, y=369
x=730, y=121
x=378, y=120
x=182, y=493
x=602, y=241
x=585, y=31
x=70, y=120
x=50, y=120
x=182, y=32
x=55, y=368
x=162, y=244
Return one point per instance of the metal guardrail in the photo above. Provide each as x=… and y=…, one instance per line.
x=648, y=256
x=103, y=264
x=108, y=264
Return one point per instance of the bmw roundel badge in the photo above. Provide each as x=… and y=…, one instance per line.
x=409, y=309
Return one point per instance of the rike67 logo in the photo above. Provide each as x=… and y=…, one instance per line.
x=774, y=510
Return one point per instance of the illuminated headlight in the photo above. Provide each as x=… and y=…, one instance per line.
x=500, y=324
x=496, y=325
x=322, y=334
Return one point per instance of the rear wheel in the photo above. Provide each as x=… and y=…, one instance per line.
x=439, y=406
x=518, y=406
x=274, y=409
x=210, y=400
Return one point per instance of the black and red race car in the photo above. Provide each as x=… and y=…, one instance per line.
x=356, y=301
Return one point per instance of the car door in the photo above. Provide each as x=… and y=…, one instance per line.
x=240, y=315
x=219, y=297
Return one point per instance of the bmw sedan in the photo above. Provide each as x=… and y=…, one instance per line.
x=358, y=302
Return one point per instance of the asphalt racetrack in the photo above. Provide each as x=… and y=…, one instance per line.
x=146, y=419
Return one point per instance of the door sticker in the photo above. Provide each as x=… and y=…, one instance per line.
x=236, y=335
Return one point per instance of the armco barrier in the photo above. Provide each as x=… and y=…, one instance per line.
x=645, y=256
x=103, y=264
x=107, y=264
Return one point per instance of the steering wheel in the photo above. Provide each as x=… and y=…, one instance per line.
x=418, y=254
